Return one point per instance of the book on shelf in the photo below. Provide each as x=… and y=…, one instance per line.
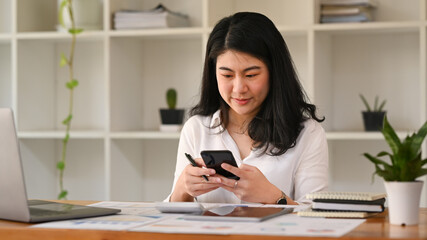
x=159, y=17
x=343, y=10
x=349, y=205
x=338, y=11
x=372, y=3
x=361, y=17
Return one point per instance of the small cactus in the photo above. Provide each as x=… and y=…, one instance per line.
x=171, y=97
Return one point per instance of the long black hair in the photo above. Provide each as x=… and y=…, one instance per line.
x=276, y=127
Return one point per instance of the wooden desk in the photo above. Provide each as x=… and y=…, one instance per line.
x=374, y=228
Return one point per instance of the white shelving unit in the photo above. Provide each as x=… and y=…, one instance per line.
x=116, y=151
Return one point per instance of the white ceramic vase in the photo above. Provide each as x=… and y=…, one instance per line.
x=403, y=202
x=87, y=15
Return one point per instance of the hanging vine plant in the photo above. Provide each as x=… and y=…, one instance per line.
x=72, y=83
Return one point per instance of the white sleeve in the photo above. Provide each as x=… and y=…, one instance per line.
x=312, y=172
x=186, y=145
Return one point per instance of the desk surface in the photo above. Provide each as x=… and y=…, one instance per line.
x=374, y=228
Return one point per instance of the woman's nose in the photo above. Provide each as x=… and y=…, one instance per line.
x=240, y=85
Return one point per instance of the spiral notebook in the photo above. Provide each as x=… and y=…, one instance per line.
x=344, y=204
x=334, y=214
x=361, y=196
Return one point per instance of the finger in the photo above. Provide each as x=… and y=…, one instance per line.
x=200, y=162
x=196, y=179
x=228, y=182
x=236, y=171
x=200, y=186
x=198, y=171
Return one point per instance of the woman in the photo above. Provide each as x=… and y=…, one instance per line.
x=252, y=104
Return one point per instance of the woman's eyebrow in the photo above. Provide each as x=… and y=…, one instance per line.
x=245, y=70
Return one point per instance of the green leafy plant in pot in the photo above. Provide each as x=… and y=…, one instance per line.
x=406, y=165
x=171, y=117
x=373, y=117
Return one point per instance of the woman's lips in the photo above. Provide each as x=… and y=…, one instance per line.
x=241, y=101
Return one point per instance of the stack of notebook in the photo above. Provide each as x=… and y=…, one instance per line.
x=337, y=11
x=345, y=204
x=159, y=17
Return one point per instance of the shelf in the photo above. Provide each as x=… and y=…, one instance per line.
x=61, y=134
x=5, y=38
x=145, y=135
x=360, y=135
x=368, y=27
x=85, y=35
x=155, y=33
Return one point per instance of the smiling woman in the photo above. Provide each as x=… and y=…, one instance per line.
x=253, y=105
x=242, y=83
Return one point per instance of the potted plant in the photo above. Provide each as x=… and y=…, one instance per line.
x=373, y=117
x=403, y=190
x=171, y=117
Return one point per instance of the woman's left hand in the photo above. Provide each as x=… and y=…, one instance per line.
x=253, y=186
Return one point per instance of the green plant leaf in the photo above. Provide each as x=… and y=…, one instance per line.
x=75, y=83
x=383, y=153
x=63, y=61
x=419, y=138
x=365, y=102
x=66, y=138
x=75, y=30
x=69, y=85
x=378, y=161
x=382, y=106
x=67, y=120
x=390, y=136
x=60, y=165
x=72, y=84
x=64, y=4
x=376, y=104
x=62, y=194
x=171, y=97
x=422, y=172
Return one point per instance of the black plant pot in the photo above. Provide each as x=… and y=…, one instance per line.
x=172, y=116
x=373, y=121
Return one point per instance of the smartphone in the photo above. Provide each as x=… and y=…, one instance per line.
x=214, y=158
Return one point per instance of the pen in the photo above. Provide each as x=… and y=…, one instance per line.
x=193, y=163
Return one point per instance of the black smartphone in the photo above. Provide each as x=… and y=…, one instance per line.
x=214, y=158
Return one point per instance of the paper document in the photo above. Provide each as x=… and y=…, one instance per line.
x=293, y=225
x=138, y=216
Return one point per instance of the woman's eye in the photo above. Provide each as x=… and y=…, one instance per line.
x=227, y=76
x=251, y=75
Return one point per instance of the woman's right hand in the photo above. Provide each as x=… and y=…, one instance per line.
x=191, y=184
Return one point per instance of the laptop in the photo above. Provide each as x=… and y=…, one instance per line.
x=14, y=204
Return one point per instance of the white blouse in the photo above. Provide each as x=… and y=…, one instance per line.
x=302, y=169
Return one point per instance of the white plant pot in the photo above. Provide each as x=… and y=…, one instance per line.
x=87, y=15
x=403, y=202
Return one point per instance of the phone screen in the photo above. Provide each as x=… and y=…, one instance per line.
x=214, y=158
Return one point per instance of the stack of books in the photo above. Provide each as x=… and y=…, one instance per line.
x=345, y=204
x=159, y=17
x=338, y=11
